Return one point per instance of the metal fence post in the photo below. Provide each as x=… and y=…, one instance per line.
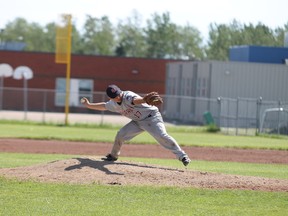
x=219, y=111
x=237, y=113
x=279, y=111
x=44, y=106
x=259, y=102
x=25, y=96
x=102, y=112
x=1, y=92
x=246, y=119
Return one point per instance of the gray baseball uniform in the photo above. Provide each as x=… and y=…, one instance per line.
x=143, y=118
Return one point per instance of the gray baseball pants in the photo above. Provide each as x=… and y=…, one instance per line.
x=154, y=125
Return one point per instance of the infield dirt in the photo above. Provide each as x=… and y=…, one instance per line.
x=89, y=168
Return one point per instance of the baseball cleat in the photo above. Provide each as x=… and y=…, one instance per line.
x=185, y=160
x=109, y=157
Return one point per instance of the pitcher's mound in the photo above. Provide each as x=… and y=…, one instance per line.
x=88, y=170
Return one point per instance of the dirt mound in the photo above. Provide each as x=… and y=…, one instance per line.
x=87, y=170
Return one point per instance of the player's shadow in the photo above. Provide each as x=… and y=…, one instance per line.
x=100, y=165
x=86, y=162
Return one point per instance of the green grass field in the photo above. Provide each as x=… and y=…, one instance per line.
x=186, y=136
x=33, y=198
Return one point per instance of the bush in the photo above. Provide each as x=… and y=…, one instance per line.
x=212, y=128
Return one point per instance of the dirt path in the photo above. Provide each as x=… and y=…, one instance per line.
x=152, y=151
x=91, y=169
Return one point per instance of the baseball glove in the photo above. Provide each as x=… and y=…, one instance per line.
x=153, y=98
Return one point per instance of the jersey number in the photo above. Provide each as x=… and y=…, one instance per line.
x=138, y=114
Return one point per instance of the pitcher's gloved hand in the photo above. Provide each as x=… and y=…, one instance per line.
x=153, y=98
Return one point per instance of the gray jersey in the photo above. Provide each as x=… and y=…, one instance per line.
x=128, y=109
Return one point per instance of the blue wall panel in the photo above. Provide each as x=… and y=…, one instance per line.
x=261, y=54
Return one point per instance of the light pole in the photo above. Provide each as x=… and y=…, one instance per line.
x=1, y=39
x=25, y=73
x=5, y=71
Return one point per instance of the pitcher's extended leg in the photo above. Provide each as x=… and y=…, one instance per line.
x=157, y=129
x=126, y=133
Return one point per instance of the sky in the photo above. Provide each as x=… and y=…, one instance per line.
x=197, y=13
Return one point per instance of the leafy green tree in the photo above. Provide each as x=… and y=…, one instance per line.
x=36, y=37
x=131, y=39
x=190, y=42
x=222, y=37
x=258, y=35
x=49, y=38
x=77, y=45
x=167, y=40
x=280, y=34
x=219, y=42
x=49, y=44
x=161, y=37
x=20, y=30
x=98, y=37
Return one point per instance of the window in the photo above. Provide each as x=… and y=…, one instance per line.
x=85, y=89
x=188, y=87
x=171, y=86
x=78, y=88
x=183, y=85
x=201, y=90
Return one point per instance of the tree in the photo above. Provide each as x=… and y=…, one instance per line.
x=280, y=34
x=222, y=37
x=50, y=39
x=36, y=37
x=167, y=40
x=161, y=37
x=48, y=44
x=259, y=35
x=131, y=40
x=98, y=37
x=219, y=42
x=21, y=31
x=190, y=43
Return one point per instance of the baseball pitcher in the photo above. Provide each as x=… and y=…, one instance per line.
x=144, y=115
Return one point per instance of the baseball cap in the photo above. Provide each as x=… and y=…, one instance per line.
x=113, y=91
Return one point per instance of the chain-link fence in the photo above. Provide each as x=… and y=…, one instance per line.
x=237, y=116
x=273, y=117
